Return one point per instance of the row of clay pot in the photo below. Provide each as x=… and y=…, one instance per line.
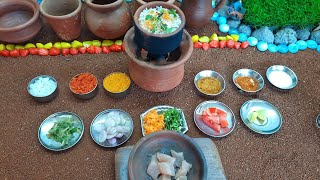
x=107, y=19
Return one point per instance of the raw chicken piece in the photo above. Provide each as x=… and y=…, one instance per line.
x=98, y=127
x=164, y=177
x=182, y=178
x=166, y=158
x=153, y=168
x=179, y=158
x=114, y=116
x=109, y=123
x=111, y=132
x=166, y=168
x=184, y=169
x=102, y=136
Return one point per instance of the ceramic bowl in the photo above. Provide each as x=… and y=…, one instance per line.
x=117, y=94
x=250, y=73
x=164, y=141
x=210, y=73
x=38, y=94
x=158, y=44
x=84, y=96
x=19, y=20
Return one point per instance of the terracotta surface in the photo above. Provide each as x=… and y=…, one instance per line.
x=19, y=20
x=199, y=12
x=154, y=77
x=64, y=16
x=292, y=153
x=108, y=19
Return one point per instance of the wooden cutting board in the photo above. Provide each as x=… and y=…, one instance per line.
x=209, y=149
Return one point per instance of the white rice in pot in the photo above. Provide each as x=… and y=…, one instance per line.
x=159, y=20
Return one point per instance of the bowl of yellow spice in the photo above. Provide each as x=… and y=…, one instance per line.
x=117, y=84
x=209, y=83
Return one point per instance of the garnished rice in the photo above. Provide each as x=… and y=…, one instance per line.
x=159, y=20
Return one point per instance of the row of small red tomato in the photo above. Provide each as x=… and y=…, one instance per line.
x=53, y=51
x=221, y=44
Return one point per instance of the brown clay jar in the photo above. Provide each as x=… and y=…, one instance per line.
x=64, y=17
x=199, y=12
x=108, y=19
x=19, y=20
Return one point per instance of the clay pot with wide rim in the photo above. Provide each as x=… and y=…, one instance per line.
x=199, y=12
x=64, y=16
x=108, y=19
x=153, y=77
x=19, y=20
x=158, y=45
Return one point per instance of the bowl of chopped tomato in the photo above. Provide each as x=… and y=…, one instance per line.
x=84, y=86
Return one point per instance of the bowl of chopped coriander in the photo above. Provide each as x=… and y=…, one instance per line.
x=60, y=131
x=163, y=117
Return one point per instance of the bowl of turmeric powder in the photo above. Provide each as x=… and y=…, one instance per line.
x=84, y=86
x=117, y=84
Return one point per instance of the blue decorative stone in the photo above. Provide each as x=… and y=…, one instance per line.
x=214, y=16
x=283, y=48
x=233, y=31
x=252, y=41
x=312, y=44
x=221, y=20
x=315, y=35
x=318, y=48
x=263, y=34
x=213, y=3
x=233, y=23
x=223, y=11
x=242, y=37
x=262, y=46
x=303, y=34
x=302, y=45
x=293, y=48
x=285, y=36
x=243, y=28
x=224, y=28
x=272, y=48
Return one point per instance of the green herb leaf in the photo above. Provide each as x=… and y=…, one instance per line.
x=149, y=17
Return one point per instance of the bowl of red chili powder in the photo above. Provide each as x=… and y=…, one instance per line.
x=84, y=86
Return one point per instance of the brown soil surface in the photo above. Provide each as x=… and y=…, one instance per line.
x=291, y=153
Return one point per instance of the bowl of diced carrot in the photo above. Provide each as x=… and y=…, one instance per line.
x=84, y=86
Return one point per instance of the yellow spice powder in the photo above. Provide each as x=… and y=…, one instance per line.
x=116, y=82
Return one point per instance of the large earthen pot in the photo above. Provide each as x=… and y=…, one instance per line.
x=108, y=19
x=19, y=20
x=154, y=77
x=64, y=16
x=199, y=12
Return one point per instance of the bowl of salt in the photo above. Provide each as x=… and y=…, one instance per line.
x=282, y=77
x=43, y=88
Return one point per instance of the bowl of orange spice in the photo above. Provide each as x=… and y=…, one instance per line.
x=117, y=84
x=248, y=80
x=84, y=86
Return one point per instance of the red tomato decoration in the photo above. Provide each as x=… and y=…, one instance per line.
x=197, y=45
x=14, y=53
x=215, y=118
x=237, y=45
x=74, y=51
x=82, y=50
x=24, y=52
x=222, y=44
x=230, y=43
x=54, y=51
x=205, y=46
x=90, y=49
x=97, y=50
x=214, y=44
x=65, y=52
x=43, y=52
x=244, y=44
x=115, y=48
x=105, y=50
x=33, y=51
x=5, y=53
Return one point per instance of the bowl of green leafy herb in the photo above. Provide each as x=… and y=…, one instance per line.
x=60, y=131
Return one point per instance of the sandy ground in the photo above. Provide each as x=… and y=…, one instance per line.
x=291, y=153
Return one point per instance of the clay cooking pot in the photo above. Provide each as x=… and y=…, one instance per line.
x=19, y=20
x=64, y=16
x=108, y=19
x=199, y=12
